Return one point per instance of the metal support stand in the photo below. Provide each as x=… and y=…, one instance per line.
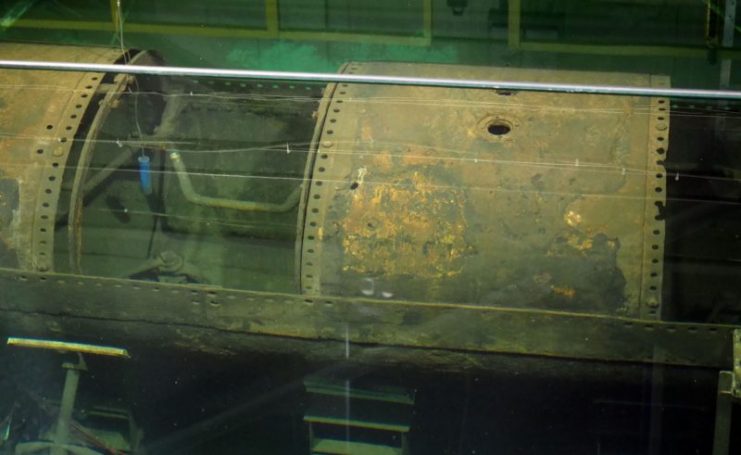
x=71, y=381
x=61, y=443
x=723, y=414
x=656, y=422
x=729, y=390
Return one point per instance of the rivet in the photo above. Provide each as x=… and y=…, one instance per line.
x=653, y=302
x=661, y=126
x=327, y=144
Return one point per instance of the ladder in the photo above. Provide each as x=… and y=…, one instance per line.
x=348, y=420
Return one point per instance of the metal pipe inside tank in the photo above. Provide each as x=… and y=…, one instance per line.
x=247, y=206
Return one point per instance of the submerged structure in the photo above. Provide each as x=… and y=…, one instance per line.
x=439, y=224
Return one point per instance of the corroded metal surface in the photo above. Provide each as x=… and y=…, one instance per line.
x=534, y=200
x=321, y=117
x=223, y=321
x=74, y=221
x=654, y=230
x=40, y=113
x=429, y=212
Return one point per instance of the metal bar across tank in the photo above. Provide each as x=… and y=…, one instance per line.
x=373, y=79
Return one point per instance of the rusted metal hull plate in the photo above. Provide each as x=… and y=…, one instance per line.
x=203, y=319
x=530, y=200
x=40, y=113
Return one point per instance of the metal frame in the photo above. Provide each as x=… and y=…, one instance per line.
x=77, y=194
x=516, y=42
x=272, y=28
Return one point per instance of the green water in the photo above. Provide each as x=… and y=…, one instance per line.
x=479, y=35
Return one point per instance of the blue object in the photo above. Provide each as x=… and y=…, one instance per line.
x=145, y=175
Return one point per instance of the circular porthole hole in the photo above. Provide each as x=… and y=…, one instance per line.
x=498, y=128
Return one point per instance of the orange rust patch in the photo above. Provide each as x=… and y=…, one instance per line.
x=405, y=227
x=366, y=133
x=564, y=291
x=382, y=161
x=580, y=243
x=416, y=156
